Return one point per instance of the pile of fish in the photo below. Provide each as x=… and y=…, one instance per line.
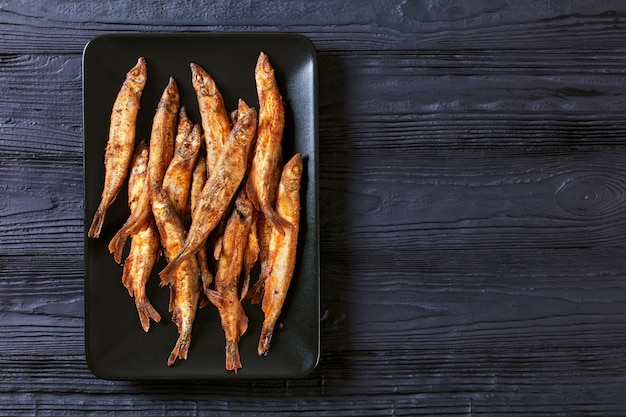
x=214, y=198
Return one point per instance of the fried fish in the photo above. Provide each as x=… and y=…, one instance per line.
x=226, y=295
x=282, y=250
x=145, y=244
x=121, y=141
x=268, y=150
x=185, y=285
x=161, y=152
x=215, y=120
x=177, y=179
x=219, y=189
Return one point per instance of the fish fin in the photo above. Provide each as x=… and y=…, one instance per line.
x=165, y=281
x=242, y=322
x=256, y=292
x=172, y=302
x=126, y=276
x=252, y=195
x=217, y=249
x=215, y=298
x=277, y=222
x=206, y=278
x=245, y=286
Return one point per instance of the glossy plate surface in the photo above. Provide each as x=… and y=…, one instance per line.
x=116, y=345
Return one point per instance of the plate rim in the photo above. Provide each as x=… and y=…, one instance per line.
x=312, y=55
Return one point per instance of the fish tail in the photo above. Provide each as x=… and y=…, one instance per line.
x=117, y=243
x=167, y=273
x=233, y=360
x=181, y=348
x=265, y=339
x=96, y=223
x=146, y=312
x=133, y=225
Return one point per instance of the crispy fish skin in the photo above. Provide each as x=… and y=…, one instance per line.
x=229, y=267
x=163, y=134
x=185, y=282
x=185, y=125
x=268, y=150
x=121, y=141
x=215, y=119
x=198, y=180
x=282, y=250
x=219, y=189
x=250, y=256
x=145, y=245
x=161, y=152
x=264, y=232
x=144, y=252
x=177, y=179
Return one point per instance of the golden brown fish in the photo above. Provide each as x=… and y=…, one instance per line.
x=198, y=180
x=282, y=251
x=250, y=256
x=177, y=179
x=215, y=120
x=185, y=281
x=185, y=125
x=145, y=245
x=161, y=152
x=264, y=232
x=227, y=278
x=121, y=141
x=268, y=150
x=219, y=189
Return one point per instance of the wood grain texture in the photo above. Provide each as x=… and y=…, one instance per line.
x=472, y=185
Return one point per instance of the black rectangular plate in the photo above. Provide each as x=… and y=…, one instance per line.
x=116, y=345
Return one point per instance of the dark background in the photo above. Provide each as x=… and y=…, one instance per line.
x=472, y=173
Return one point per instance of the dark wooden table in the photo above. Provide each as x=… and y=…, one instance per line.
x=472, y=198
